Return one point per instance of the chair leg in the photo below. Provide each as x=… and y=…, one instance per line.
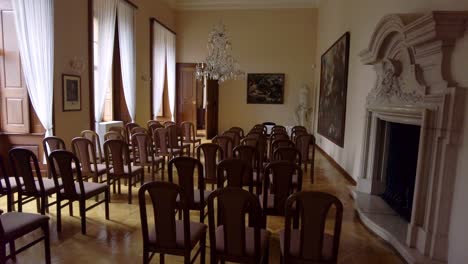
x=20, y=203
x=106, y=204
x=187, y=258
x=12, y=250
x=145, y=257
x=130, y=190
x=3, y=252
x=43, y=204
x=83, y=216
x=45, y=229
x=161, y=258
x=202, y=215
x=10, y=202
x=203, y=249
x=70, y=208
x=59, y=214
x=213, y=259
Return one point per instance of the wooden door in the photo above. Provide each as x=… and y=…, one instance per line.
x=186, y=93
x=13, y=92
x=212, y=107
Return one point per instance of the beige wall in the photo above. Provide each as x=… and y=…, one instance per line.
x=71, y=40
x=360, y=17
x=264, y=41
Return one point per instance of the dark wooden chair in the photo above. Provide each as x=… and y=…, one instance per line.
x=212, y=154
x=168, y=123
x=50, y=144
x=303, y=144
x=278, y=189
x=25, y=167
x=226, y=144
x=121, y=130
x=293, y=155
x=274, y=137
x=168, y=235
x=85, y=151
x=153, y=122
x=175, y=139
x=230, y=238
x=113, y=135
x=236, y=173
x=8, y=186
x=296, y=131
x=235, y=137
x=186, y=169
x=278, y=128
x=238, y=130
x=75, y=190
x=94, y=138
x=154, y=126
x=143, y=154
x=250, y=156
x=280, y=143
x=262, y=127
x=310, y=243
x=128, y=128
x=189, y=136
x=118, y=166
x=14, y=225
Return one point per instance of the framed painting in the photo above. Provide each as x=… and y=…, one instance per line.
x=265, y=88
x=333, y=89
x=71, y=92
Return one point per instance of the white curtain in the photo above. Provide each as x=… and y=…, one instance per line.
x=171, y=68
x=159, y=59
x=104, y=12
x=34, y=21
x=126, y=22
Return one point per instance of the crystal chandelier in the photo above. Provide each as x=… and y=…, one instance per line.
x=219, y=64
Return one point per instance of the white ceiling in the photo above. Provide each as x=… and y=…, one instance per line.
x=240, y=4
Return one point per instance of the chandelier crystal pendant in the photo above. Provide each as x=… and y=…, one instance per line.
x=219, y=64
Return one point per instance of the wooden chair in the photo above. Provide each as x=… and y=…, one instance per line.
x=226, y=144
x=250, y=156
x=75, y=190
x=144, y=155
x=303, y=144
x=94, y=138
x=186, y=167
x=278, y=189
x=261, y=127
x=169, y=123
x=189, y=135
x=113, y=135
x=238, y=130
x=230, y=238
x=90, y=168
x=121, y=130
x=118, y=165
x=14, y=225
x=154, y=126
x=273, y=137
x=280, y=143
x=152, y=122
x=138, y=130
x=236, y=173
x=128, y=127
x=25, y=165
x=235, y=137
x=278, y=128
x=50, y=144
x=310, y=243
x=8, y=186
x=293, y=155
x=168, y=235
x=162, y=147
x=297, y=131
x=212, y=154
x=175, y=140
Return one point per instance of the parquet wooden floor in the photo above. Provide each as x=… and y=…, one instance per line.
x=119, y=239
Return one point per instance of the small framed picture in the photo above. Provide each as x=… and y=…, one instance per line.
x=71, y=97
x=265, y=88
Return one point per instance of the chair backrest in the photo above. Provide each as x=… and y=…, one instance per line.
x=113, y=135
x=94, y=137
x=154, y=126
x=186, y=167
x=280, y=143
x=121, y=130
x=152, y=122
x=20, y=161
x=129, y=127
x=161, y=141
x=303, y=143
x=290, y=154
x=138, y=130
x=235, y=137
x=168, y=123
x=142, y=149
x=233, y=205
x=117, y=156
x=239, y=130
x=85, y=152
x=261, y=127
x=212, y=154
x=163, y=196
x=233, y=171
x=296, y=131
x=173, y=134
x=249, y=141
x=226, y=144
x=257, y=130
x=249, y=155
x=188, y=131
x=281, y=186
x=61, y=167
x=312, y=208
x=52, y=143
x=278, y=128
x=3, y=175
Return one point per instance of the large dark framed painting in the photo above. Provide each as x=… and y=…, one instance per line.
x=333, y=87
x=265, y=88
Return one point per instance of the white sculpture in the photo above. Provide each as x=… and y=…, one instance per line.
x=302, y=113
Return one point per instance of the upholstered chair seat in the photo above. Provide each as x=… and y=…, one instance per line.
x=249, y=240
x=197, y=230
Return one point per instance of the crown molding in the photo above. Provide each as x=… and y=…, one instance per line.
x=243, y=4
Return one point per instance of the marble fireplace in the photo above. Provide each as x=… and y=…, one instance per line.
x=413, y=120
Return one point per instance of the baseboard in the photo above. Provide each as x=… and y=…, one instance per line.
x=337, y=166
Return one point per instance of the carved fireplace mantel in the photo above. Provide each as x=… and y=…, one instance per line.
x=411, y=55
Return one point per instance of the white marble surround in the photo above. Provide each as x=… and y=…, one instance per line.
x=411, y=55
